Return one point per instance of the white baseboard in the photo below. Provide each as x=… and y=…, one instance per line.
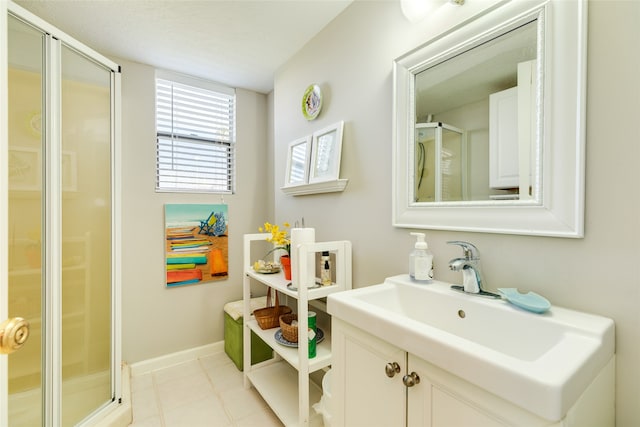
x=145, y=366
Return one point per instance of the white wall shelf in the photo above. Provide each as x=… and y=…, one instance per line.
x=315, y=188
x=282, y=380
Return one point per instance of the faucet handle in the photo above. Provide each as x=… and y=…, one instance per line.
x=470, y=251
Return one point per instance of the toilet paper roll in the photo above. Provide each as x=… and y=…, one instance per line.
x=303, y=235
x=300, y=236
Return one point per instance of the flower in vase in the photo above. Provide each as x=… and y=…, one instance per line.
x=279, y=237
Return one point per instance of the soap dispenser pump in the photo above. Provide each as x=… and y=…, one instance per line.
x=421, y=260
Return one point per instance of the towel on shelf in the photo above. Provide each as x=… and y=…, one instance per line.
x=235, y=309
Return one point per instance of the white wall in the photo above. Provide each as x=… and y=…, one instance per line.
x=351, y=59
x=157, y=320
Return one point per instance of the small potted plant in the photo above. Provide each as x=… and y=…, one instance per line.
x=282, y=241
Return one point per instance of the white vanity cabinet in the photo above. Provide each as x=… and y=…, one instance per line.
x=443, y=400
x=378, y=384
x=283, y=381
x=367, y=387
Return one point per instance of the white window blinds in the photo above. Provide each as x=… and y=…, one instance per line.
x=195, y=138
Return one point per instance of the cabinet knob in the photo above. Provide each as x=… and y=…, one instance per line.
x=392, y=369
x=411, y=379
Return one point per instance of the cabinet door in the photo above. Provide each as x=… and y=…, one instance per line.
x=512, y=133
x=503, y=139
x=449, y=411
x=365, y=394
x=430, y=404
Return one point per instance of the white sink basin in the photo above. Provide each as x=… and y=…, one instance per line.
x=541, y=362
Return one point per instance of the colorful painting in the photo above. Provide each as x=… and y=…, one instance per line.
x=196, y=243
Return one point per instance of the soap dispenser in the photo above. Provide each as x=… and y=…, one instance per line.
x=421, y=260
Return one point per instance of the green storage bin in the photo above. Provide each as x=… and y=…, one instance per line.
x=233, y=344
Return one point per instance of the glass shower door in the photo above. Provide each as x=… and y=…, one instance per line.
x=425, y=164
x=60, y=240
x=26, y=208
x=452, y=165
x=440, y=163
x=86, y=235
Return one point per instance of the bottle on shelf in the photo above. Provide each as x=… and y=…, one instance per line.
x=325, y=270
x=312, y=334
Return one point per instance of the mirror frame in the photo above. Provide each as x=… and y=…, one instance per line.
x=558, y=209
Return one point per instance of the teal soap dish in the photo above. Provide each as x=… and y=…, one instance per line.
x=530, y=301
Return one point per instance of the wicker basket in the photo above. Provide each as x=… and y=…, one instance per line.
x=269, y=316
x=289, y=332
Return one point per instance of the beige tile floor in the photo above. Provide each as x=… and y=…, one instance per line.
x=207, y=392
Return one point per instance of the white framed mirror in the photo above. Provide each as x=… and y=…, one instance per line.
x=298, y=154
x=507, y=92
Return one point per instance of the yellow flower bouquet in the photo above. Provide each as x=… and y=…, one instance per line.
x=279, y=237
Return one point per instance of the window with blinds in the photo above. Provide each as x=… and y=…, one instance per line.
x=195, y=138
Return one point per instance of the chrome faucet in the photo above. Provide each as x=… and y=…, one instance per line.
x=469, y=265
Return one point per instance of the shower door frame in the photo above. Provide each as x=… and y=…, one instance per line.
x=52, y=365
x=439, y=127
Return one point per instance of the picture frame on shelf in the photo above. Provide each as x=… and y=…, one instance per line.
x=298, y=155
x=326, y=152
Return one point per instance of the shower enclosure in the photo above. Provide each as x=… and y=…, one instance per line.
x=440, y=163
x=59, y=269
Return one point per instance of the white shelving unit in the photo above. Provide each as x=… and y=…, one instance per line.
x=283, y=381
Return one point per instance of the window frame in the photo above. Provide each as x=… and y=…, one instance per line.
x=195, y=142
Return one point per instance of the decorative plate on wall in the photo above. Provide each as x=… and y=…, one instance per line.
x=312, y=102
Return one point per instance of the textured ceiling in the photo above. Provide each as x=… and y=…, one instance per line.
x=239, y=43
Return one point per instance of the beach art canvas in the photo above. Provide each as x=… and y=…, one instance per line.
x=196, y=243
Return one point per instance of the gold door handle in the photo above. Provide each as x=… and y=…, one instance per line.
x=13, y=334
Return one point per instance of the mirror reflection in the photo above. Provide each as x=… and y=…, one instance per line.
x=476, y=123
x=445, y=180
